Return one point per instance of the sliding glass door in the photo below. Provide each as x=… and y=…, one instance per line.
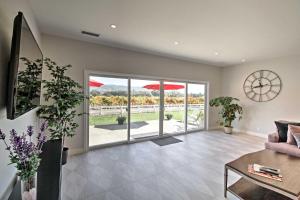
x=123, y=109
x=195, y=106
x=108, y=107
x=174, y=107
x=144, y=108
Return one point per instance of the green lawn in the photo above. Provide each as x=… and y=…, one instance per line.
x=135, y=117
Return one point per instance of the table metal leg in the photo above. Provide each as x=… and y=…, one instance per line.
x=225, y=181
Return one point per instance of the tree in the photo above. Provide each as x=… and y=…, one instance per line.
x=229, y=109
x=29, y=85
x=63, y=95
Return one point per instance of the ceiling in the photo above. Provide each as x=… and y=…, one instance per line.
x=234, y=29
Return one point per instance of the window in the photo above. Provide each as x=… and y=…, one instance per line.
x=123, y=109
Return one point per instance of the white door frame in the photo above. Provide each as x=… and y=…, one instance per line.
x=88, y=73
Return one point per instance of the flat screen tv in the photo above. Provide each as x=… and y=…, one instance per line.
x=25, y=70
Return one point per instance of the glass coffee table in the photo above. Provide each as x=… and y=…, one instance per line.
x=254, y=187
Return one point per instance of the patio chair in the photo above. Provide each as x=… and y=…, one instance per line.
x=197, y=117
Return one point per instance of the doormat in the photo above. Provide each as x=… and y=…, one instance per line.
x=166, y=141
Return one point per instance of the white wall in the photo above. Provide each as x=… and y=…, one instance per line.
x=8, y=10
x=259, y=117
x=84, y=55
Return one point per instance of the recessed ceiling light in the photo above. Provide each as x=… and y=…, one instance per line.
x=243, y=60
x=216, y=53
x=176, y=43
x=113, y=26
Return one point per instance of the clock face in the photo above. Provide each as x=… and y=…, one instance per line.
x=262, y=85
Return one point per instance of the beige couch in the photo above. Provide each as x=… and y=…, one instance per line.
x=282, y=147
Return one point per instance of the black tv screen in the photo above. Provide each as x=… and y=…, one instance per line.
x=25, y=70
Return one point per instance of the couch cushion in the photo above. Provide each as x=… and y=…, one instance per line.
x=290, y=138
x=282, y=129
x=294, y=131
x=273, y=137
x=283, y=148
x=297, y=138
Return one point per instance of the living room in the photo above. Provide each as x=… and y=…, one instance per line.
x=151, y=75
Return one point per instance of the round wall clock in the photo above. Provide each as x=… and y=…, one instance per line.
x=262, y=85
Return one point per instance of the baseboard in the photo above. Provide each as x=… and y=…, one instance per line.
x=262, y=135
x=76, y=151
x=214, y=128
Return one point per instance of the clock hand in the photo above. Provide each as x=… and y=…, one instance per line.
x=260, y=86
x=265, y=85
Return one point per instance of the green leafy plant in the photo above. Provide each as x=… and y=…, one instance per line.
x=121, y=120
x=62, y=95
x=169, y=116
x=29, y=85
x=230, y=109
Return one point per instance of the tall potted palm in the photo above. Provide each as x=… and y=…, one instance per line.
x=230, y=110
x=62, y=96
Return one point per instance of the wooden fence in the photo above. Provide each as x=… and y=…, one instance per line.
x=117, y=110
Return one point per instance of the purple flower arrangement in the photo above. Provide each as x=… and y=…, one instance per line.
x=23, y=151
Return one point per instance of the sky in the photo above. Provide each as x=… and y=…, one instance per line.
x=192, y=88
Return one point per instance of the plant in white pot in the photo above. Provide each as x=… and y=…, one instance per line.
x=230, y=110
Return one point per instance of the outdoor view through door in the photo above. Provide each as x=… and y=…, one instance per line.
x=174, y=107
x=157, y=107
x=195, y=106
x=107, y=110
x=144, y=108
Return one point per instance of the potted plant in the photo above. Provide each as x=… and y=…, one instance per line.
x=24, y=154
x=169, y=116
x=230, y=110
x=62, y=96
x=121, y=120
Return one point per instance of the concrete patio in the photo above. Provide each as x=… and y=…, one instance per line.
x=104, y=134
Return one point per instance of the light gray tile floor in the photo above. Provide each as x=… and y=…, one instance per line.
x=190, y=170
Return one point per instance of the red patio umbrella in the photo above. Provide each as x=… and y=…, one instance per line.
x=166, y=86
x=93, y=83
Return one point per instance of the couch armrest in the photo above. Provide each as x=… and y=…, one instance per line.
x=273, y=137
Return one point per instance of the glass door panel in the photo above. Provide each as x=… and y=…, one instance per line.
x=196, y=106
x=144, y=108
x=174, y=107
x=108, y=107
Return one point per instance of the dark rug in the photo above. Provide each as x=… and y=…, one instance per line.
x=166, y=141
x=112, y=127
